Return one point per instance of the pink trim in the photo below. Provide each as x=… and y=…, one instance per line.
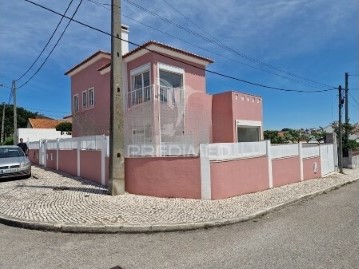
x=238, y=177
x=286, y=171
x=90, y=163
x=308, y=168
x=177, y=177
x=68, y=161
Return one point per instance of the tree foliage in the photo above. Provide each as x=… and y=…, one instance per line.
x=350, y=129
x=293, y=136
x=22, y=118
x=273, y=136
x=64, y=127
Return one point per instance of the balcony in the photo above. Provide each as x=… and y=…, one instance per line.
x=173, y=97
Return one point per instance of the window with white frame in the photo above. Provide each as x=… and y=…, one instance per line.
x=171, y=80
x=91, y=97
x=248, y=133
x=84, y=99
x=75, y=103
x=140, y=91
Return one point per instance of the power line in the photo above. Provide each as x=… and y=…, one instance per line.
x=353, y=98
x=221, y=45
x=178, y=60
x=10, y=97
x=47, y=43
x=105, y=6
x=57, y=42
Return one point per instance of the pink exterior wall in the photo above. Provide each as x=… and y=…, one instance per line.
x=51, y=159
x=198, y=116
x=285, y=171
x=238, y=177
x=247, y=109
x=194, y=78
x=96, y=120
x=229, y=107
x=68, y=161
x=177, y=177
x=308, y=168
x=222, y=118
x=145, y=59
x=34, y=156
x=90, y=163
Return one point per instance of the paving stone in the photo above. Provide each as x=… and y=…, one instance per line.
x=55, y=198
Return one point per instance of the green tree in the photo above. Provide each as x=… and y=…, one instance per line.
x=64, y=127
x=22, y=118
x=273, y=136
x=350, y=129
x=320, y=135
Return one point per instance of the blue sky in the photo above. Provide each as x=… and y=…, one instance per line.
x=313, y=39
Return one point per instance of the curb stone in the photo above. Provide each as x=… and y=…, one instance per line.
x=166, y=227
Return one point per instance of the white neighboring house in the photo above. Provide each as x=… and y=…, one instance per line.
x=330, y=130
x=36, y=134
x=38, y=129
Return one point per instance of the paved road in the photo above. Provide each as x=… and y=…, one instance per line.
x=318, y=233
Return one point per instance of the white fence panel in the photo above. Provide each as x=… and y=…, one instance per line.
x=51, y=144
x=68, y=143
x=33, y=145
x=310, y=152
x=92, y=142
x=165, y=149
x=282, y=151
x=230, y=151
x=326, y=159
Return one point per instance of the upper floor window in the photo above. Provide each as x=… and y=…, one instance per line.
x=91, y=97
x=75, y=104
x=84, y=99
x=140, y=86
x=171, y=80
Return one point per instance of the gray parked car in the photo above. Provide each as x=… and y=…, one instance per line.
x=13, y=162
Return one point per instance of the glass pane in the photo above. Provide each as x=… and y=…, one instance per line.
x=146, y=79
x=137, y=82
x=170, y=80
x=248, y=134
x=84, y=99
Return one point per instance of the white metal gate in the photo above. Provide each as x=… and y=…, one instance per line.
x=326, y=159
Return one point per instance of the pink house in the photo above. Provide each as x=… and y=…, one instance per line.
x=168, y=115
x=167, y=108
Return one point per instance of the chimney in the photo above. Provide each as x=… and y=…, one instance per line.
x=124, y=36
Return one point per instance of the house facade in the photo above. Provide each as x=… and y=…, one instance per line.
x=180, y=141
x=167, y=108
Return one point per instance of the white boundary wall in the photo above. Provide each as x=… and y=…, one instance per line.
x=36, y=134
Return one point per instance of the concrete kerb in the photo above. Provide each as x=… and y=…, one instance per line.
x=78, y=228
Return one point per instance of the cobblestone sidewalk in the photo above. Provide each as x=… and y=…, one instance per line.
x=54, y=201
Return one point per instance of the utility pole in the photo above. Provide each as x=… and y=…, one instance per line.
x=13, y=88
x=2, y=123
x=117, y=158
x=340, y=142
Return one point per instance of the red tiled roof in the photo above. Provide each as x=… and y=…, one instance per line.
x=143, y=46
x=45, y=123
x=152, y=42
x=88, y=59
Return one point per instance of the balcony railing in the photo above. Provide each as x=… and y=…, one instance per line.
x=138, y=96
x=171, y=96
